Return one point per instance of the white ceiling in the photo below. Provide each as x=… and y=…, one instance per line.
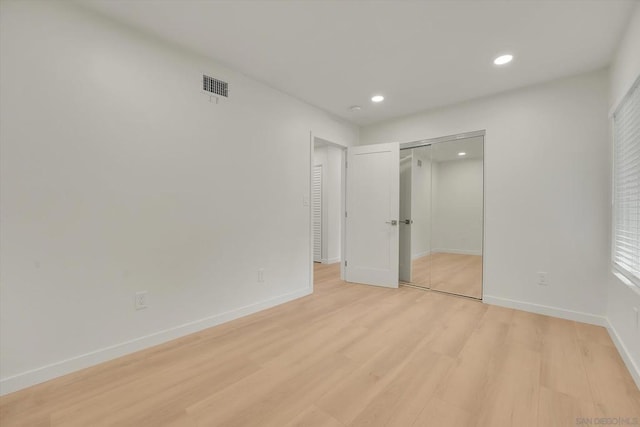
x=418, y=54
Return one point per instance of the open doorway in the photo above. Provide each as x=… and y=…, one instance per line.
x=327, y=190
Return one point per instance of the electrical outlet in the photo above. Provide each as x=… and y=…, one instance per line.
x=140, y=300
x=543, y=280
x=261, y=275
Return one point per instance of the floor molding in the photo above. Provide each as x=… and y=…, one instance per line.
x=562, y=313
x=634, y=369
x=63, y=367
x=457, y=251
x=420, y=254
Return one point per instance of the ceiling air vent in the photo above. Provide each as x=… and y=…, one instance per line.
x=215, y=86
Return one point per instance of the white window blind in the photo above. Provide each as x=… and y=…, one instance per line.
x=626, y=186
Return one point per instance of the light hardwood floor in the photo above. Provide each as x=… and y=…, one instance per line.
x=352, y=355
x=447, y=272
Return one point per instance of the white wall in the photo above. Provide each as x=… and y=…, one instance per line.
x=119, y=175
x=546, y=190
x=331, y=159
x=457, y=219
x=625, y=67
x=621, y=298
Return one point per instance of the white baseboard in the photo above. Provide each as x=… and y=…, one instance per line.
x=63, y=367
x=633, y=368
x=457, y=251
x=330, y=260
x=562, y=313
x=420, y=254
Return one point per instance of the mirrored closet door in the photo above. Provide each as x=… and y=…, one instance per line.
x=441, y=215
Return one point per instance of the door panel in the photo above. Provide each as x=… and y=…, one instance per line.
x=372, y=220
x=406, y=166
x=457, y=220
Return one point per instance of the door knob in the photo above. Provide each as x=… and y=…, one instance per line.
x=392, y=222
x=407, y=221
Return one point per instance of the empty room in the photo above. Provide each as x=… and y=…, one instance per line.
x=319, y=213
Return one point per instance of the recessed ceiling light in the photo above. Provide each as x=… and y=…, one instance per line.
x=355, y=108
x=503, y=59
x=377, y=98
x=462, y=153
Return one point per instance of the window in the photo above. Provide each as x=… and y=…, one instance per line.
x=626, y=186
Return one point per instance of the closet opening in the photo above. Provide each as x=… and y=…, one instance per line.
x=442, y=214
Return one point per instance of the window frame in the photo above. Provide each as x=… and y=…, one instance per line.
x=619, y=271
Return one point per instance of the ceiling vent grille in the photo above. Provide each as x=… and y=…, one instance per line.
x=215, y=86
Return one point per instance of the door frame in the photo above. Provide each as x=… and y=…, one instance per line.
x=343, y=188
x=401, y=218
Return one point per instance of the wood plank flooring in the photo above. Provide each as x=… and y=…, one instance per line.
x=352, y=355
x=453, y=273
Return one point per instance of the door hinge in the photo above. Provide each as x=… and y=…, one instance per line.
x=345, y=262
x=345, y=214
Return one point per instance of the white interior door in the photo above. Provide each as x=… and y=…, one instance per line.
x=316, y=202
x=406, y=173
x=372, y=204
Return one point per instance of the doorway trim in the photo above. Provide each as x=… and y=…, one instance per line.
x=343, y=147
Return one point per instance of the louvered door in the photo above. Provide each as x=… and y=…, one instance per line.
x=317, y=213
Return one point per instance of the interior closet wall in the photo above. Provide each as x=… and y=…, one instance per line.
x=458, y=207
